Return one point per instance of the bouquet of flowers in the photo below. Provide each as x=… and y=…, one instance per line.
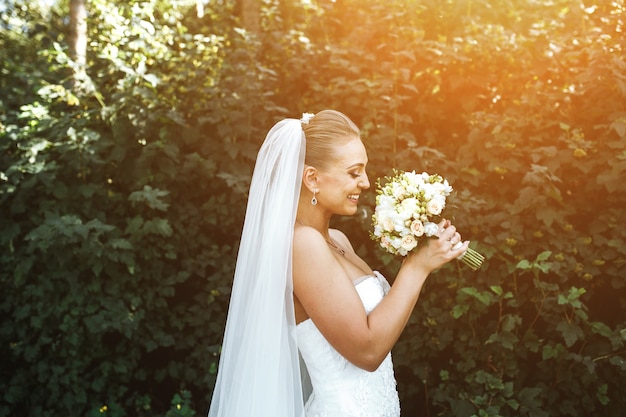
x=408, y=207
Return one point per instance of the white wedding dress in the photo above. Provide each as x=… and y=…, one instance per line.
x=340, y=389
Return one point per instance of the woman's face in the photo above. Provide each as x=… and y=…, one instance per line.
x=341, y=184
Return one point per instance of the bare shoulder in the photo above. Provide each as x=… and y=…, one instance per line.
x=309, y=250
x=341, y=238
x=307, y=238
x=315, y=269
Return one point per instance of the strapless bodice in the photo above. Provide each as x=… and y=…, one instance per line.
x=341, y=389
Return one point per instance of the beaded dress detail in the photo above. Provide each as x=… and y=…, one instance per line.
x=341, y=389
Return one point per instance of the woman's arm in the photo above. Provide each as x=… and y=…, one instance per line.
x=329, y=298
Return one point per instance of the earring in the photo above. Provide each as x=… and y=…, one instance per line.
x=314, y=200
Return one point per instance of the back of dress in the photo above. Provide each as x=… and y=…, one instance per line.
x=341, y=389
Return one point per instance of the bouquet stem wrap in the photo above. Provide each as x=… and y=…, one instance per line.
x=470, y=257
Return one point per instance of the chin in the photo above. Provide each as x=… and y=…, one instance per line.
x=351, y=211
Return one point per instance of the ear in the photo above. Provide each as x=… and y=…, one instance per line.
x=309, y=178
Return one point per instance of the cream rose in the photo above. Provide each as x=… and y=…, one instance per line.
x=435, y=206
x=417, y=228
x=408, y=243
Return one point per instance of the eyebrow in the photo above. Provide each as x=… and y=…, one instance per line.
x=357, y=165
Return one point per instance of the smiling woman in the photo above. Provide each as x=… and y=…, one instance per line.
x=308, y=293
x=520, y=104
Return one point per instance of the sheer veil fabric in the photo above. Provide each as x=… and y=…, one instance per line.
x=259, y=370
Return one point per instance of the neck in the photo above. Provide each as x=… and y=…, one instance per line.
x=313, y=216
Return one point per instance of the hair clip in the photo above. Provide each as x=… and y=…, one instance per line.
x=306, y=117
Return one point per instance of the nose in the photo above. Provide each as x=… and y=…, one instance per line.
x=365, y=182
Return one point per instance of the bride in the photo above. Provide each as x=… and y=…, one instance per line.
x=310, y=325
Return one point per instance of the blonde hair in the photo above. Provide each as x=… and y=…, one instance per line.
x=324, y=131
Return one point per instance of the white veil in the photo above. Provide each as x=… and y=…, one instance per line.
x=259, y=371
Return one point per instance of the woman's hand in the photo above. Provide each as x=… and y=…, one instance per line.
x=437, y=252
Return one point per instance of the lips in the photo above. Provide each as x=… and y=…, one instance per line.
x=353, y=197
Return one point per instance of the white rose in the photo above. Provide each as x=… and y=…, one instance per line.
x=431, y=229
x=384, y=202
x=408, y=208
x=412, y=188
x=384, y=220
x=398, y=191
x=437, y=186
x=399, y=223
x=415, y=180
x=410, y=204
x=411, y=176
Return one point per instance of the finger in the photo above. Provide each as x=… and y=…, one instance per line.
x=442, y=226
x=456, y=238
x=456, y=251
x=448, y=247
x=448, y=232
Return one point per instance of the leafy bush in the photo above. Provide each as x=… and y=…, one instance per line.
x=122, y=202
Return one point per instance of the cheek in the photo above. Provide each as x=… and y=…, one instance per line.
x=334, y=185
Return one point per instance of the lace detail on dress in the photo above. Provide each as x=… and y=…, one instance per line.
x=341, y=389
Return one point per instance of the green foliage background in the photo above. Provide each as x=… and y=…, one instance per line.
x=122, y=200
